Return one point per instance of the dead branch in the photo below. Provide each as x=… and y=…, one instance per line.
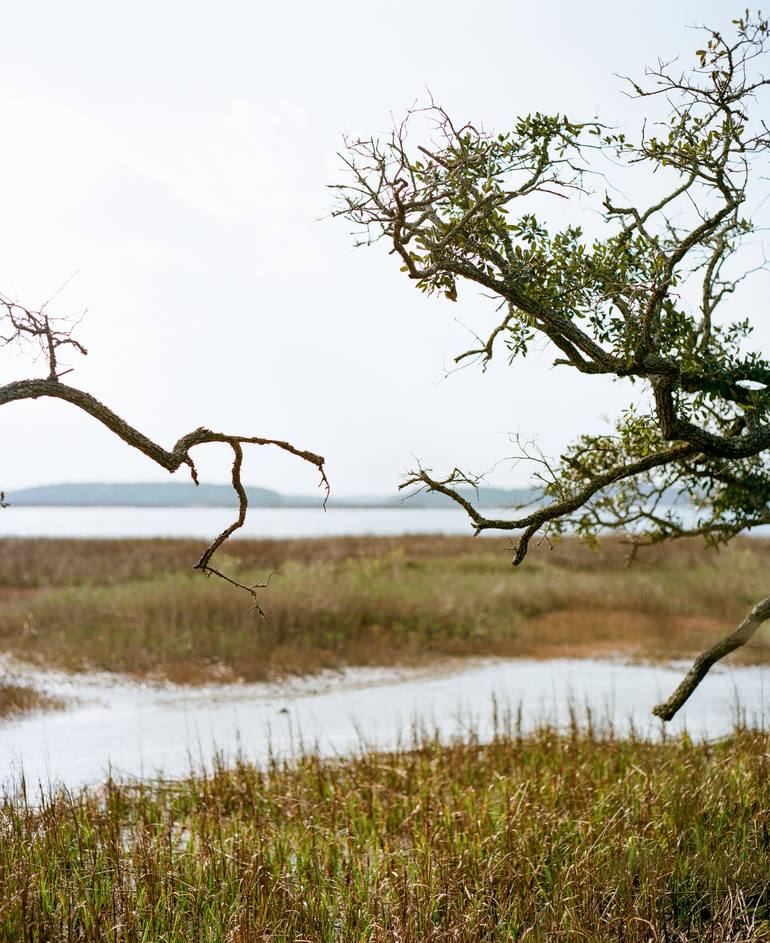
x=23, y=326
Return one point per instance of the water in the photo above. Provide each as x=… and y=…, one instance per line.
x=205, y=523
x=139, y=731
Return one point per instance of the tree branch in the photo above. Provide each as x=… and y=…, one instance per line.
x=759, y=614
x=39, y=328
x=533, y=521
x=621, y=305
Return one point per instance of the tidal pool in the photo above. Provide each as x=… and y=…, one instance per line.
x=136, y=730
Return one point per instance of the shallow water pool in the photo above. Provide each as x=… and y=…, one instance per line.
x=137, y=730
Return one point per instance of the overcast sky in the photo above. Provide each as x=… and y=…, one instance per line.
x=176, y=155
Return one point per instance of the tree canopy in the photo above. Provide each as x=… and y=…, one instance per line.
x=643, y=301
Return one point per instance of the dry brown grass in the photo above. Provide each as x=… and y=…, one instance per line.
x=31, y=563
x=135, y=606
x=16, y=699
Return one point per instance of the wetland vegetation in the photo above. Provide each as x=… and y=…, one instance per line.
x=552, y=835
x=136, y=607
x=572, y=836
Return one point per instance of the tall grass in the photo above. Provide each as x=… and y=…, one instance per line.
x=549, y=837
x=134, y=606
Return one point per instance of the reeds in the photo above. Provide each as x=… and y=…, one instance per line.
x=576, y=836
x=134, y=605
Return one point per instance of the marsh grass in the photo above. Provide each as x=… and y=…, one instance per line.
x=576, y=836
x=134, y=605
x=17, y=699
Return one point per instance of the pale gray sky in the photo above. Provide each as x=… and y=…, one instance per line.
x=177, y=153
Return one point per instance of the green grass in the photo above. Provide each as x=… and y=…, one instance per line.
x=547, y=837
x=136, y=607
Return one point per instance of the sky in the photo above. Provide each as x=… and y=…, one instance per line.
x=168, y=164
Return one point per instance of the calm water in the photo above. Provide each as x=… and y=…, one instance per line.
x=137, y=730
x=207, y=522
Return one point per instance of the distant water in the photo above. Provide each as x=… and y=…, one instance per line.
x=205, y=523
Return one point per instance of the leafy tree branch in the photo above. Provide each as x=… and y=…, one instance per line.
x=644, y=302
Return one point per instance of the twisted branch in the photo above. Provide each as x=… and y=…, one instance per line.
x=531, y=523
x=36, y=326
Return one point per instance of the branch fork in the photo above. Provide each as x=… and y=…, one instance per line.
x=27, y=326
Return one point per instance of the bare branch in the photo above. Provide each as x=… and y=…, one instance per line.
x=745, y=631
x=533, y=521
x=24, y=325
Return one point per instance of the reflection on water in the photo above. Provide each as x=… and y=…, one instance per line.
x=138, y=730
